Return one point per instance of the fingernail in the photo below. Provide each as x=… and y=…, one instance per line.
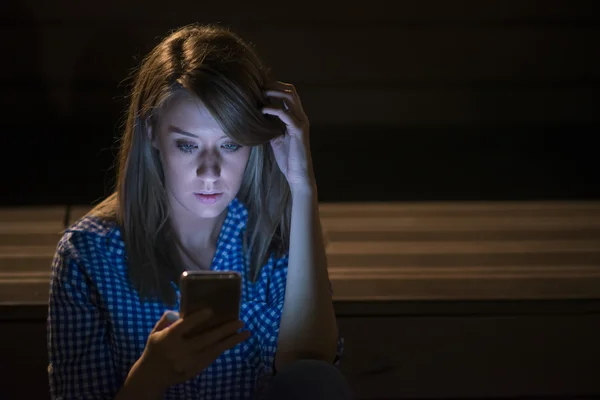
x=172, y=316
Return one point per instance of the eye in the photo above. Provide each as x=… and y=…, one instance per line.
x=186, y=147
x=231, y=147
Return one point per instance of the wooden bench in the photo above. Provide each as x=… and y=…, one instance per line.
x=435, y=300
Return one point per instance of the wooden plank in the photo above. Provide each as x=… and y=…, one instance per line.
x=449, y=217
x=368, y=287
x=441, y=357
x=453, y=261
x=436, y=356
x=24, y=291
x=26, y=251
x=24, y=260
x=437, y=208
x=466, y=272
x=449, y=248
x=394, y=283
x=39, y=227
x=47, y=216
x=26, y=264
x=499, y=209
x=29, y=238
x=420, y=224
x=407, y=236
x=429, y=308
x=440, y=251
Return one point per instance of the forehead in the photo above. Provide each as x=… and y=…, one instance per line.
x=191, y=115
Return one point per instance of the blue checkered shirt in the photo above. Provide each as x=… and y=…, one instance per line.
x=98, y=326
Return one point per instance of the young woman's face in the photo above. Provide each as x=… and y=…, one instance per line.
x=198, y=158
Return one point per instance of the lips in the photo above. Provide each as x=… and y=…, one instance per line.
x=208, y=198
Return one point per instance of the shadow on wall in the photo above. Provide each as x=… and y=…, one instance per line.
x=100, y=94
x=54, y=159
x=26, y=111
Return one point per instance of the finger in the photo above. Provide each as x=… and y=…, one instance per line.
x=199, y=361
x=283, y=115
x=284, y=87
x=282, y=94
x=192, y=321
x=278, y=85
x=218, y=348
x=167, y=319
x=213, y=336
x=289, y=100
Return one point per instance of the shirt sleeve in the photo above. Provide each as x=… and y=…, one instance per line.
x=269, y=317
x=80, y=356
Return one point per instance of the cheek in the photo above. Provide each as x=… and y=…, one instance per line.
x=240, y=164
x=232, y=170
x=175, y=166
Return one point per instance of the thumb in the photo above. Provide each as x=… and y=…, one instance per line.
x=165, y=321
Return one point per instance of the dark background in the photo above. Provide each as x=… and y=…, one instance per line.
x=414, y=100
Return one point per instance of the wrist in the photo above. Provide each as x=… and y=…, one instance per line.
x=305, y=189
x=141, y=383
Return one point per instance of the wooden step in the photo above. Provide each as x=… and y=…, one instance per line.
x=388, y=251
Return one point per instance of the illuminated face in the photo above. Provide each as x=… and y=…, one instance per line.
x=198, y=158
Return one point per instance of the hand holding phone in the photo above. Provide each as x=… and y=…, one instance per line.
x=179, y=348
x=172, y=355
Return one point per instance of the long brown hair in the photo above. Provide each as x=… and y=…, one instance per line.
x=226, y=74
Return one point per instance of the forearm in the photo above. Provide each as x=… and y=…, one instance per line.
x=308, y=326
x=139, y=386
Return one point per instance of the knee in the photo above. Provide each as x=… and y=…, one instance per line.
x=312, y=379
x=311, y=367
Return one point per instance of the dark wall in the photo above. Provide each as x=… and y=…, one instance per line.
x=428, y=100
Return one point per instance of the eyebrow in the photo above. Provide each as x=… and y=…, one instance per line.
x=180, y=131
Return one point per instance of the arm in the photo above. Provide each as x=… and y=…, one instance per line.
x=79, y=352
x=138, y=386
x=308, y=326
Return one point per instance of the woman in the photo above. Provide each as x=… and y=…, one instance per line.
x=214, y=173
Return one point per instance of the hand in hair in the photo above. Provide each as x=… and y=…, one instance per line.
x=172, y=356
x=292, y=150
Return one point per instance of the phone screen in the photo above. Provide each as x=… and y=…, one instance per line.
x=219, y=291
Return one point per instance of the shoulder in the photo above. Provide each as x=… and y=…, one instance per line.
x=83, y=257
x=90, y=235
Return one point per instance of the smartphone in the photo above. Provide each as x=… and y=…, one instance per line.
x=220, y=291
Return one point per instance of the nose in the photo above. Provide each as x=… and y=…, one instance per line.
x=209, y=167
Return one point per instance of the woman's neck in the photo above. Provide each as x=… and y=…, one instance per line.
x=196, y=241
x=195, y=233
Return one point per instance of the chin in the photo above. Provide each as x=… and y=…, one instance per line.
x=209, y=210
x=212, y=213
